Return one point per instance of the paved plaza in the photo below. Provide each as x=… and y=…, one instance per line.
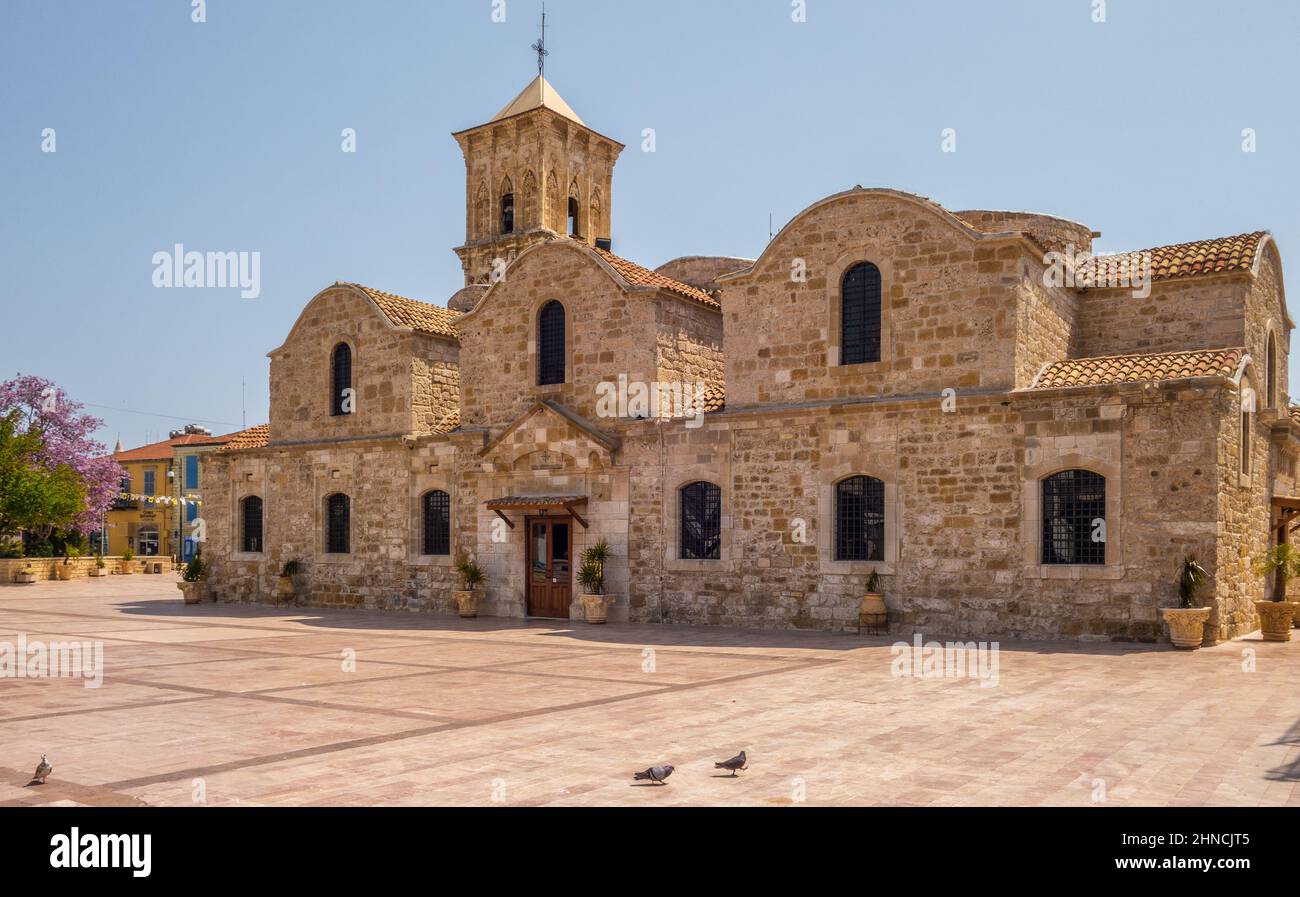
x=237, y=705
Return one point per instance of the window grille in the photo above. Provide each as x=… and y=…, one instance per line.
x=338, y=538
x=701, y=525
x=1074, y=518
x=860, y=519
x=341, y=377
x=550, y=344
x=860, y=315
x=437, y=523
x=252, y=540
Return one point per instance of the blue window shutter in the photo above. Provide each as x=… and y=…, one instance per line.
x=191, y=471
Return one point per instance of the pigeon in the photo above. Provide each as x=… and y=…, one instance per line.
x=43, y=770
x=735, y=763
x=655, y=774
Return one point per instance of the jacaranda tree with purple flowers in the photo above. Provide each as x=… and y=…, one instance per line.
x=57, y=476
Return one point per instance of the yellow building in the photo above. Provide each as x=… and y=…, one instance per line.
x=162, y=490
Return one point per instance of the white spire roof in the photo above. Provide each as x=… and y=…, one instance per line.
x=537, y=95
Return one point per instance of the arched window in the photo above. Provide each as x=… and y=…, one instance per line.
x=341, y=381
x=1270, y=374
x=1074, y=518
x=860, y=314
x=436, y=517
x=250, y=513
x=550, y=344
x=1247, y=407
x=574, y=217
x=860, y=519
x=701, y=522
x=508, y=214
x=338, y=524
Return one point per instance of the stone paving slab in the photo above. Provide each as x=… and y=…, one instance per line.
x=256, y=705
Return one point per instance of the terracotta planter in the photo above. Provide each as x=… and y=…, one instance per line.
x=872, y=603
x=467, y=602
x=1186, y=625
x=25, y=577
x=128, y=568
x=193, y=591
x=286, y=590
x=1275, y=619
x=64, y=572
x=596, y=608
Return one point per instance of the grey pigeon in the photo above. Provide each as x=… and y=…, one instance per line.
x=735, y=763
x=655, y=774
x=43, y=770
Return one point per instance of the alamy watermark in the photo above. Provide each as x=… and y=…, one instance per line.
x=53, y=660
x=948, y=660
x=216, y=270
x=1128, y=270
x=637, y=400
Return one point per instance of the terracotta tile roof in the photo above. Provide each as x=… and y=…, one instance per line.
x=520, y=502
x=163, y=451
x=715, y=397
x=449, y=423
x=1139, y=368
x=634, y=273
x=253, y=437
x=412, y=313
x=1295, y=413
x=1180, y=259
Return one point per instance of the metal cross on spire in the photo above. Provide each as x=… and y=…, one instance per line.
x=540, y=47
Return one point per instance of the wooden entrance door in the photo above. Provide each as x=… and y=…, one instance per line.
x=550, y=567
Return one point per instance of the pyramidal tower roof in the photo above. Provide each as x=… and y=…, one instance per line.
x=539, y=95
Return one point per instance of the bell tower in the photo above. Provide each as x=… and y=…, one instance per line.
x=535, y=172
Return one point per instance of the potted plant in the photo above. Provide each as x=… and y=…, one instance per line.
x=1276, y=616
x=1187, y=621
x=191, y=584
x=873, y=600
x=471, y=575
x=128, y=562
x=65, y=570
x=290, y=574
x=25, y=576
x=591, y=575
x=100, y=568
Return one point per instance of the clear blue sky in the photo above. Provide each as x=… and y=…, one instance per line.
x=226, y=136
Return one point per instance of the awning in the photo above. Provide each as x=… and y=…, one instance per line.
x=566, y=503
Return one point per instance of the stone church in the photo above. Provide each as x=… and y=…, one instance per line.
x=1020, y=439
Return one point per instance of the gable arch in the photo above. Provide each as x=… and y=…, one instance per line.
x=778, y=252
x=520, y=270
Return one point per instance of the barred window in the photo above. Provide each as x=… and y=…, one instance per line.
x=251, y=513
x=860, y=519
x=701, y=523
x=1074, y=518
x=338, y=525
x=340, y=379
x=860, y=314
x=1270, y=374
x=436, y=507
x=550, y=344
x=1245, y=441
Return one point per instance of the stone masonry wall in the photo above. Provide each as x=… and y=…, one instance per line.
x=401, y=380
x=1178, y=316
x=949, y=316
